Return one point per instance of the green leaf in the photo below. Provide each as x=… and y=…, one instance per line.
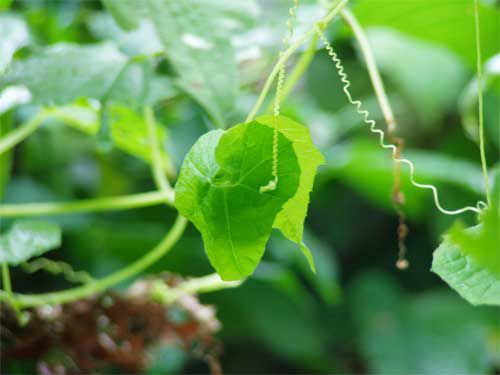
x=219, y=191
x=14, y=34
x=200, y=52
x=27, y=239
x=291, y=218
x=469, y=259
x=445, y=23
x=64, y=72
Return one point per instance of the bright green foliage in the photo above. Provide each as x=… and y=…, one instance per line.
x=64, y=72
x=27, y=239
x=219, y=191
x=446, y=23
x=291, y=218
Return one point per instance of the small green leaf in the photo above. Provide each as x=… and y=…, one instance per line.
x=469, y=259
x=219, y=191
x=291, y=218
x=27, y=239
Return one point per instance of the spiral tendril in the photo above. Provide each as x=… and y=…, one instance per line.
x=372, y=125
x=272, y=184
x=57, y=267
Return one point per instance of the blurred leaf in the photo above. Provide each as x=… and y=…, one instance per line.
x=368, y=169
x=14, y=34
x=128, y=128
x=219, y=187
x=200, y=52
x=445, y=23
x=404, y=61
x=27, y=239
x=491, y=96
x=423, y=335
x=63, y=72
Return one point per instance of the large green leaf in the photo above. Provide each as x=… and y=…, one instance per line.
x=64, y=72
x=200, y=52
x=219, y=191
x=291, y=218
x=446, y=23
x=27, y=239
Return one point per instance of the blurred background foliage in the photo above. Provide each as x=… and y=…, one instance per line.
x=358, y=314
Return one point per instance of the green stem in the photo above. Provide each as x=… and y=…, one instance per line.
x=288, y=52
x=482, y=151
x=298, y=70
x=7, y=285
x=371, y=65
x=22, y=132
x=89, y=205
x=158, y=175
x=70, y=295
x=210, y=283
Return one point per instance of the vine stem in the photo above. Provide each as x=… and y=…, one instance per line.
x=484, y=164
x=73, y=294
x=205, y=284
x=123, y=202
x=158, y=175
x=22, y=132
x=298, y=71
x=371, y=65
x=288, y=52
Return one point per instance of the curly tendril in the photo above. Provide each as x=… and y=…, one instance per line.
x=56, y=268
x=271, y=185
x=372, y=124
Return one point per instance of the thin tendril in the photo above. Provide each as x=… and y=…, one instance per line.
x=271, y=185
x=372, y=124
x=57, y=267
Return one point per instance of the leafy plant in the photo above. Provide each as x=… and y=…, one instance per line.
x=146, y=96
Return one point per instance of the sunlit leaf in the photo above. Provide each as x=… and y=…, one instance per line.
x=219, y=191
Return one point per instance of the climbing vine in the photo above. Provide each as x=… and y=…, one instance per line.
x=234, y=185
